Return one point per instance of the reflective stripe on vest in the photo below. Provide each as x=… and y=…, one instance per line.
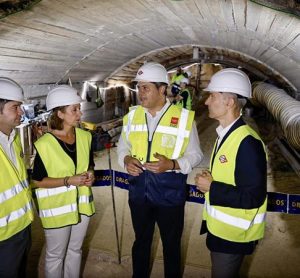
x=233, y=224
x=173, y=131
x=43, y=193
x=12, y=192
x=232, y=220
x=180, y=132
x=58, y=211
x=16, y=211
x=14, y=215
x=56, y=205
x=127, y=128
x=181, y=135
x=162, y=129
x=84, y=199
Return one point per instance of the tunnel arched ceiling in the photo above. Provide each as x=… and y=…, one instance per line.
x=99, y=39
x=175, y=56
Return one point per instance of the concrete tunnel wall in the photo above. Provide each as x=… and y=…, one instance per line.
x=99, y=49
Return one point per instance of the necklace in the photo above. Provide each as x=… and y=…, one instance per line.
x=70, y=150
x=60, y=138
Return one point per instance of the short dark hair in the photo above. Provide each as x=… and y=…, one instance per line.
x=2, y=103
x=56, y=122
x=159, y=84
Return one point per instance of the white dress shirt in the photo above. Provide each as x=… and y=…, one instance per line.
x=6, y=143
x=192, y=155
x=221, y=131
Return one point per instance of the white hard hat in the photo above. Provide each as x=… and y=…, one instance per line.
x=188, y=73
x=10, y=90
x=61, y=96
x=230, y=80
x=152, y=72
x=184, y=80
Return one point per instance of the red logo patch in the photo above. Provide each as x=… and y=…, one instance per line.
x=174, y=121
x=223, y=158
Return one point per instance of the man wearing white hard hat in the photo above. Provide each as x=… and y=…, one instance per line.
x=175, y=81
x=63, y=175
x=15, y=197
x=235, y=185
x=159, y=146
x=184, y=98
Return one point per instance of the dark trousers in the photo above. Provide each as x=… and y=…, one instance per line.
x=225, y=265
x=170, y=222
x=13, y=254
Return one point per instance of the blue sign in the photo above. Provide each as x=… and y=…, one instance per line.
x=294, y=204
x=195, y=195
x=122, y=180
x=277, y=202
x=103, y=177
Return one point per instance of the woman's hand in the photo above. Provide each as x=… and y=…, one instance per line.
x=80, y=179
x=90, y=178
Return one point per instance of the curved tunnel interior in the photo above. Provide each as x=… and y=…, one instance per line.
x=98, y=46
x=199, y=57
x=175, y=56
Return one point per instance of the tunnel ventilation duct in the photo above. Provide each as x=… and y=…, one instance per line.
x=284, y=109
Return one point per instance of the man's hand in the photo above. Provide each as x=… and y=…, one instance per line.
x=203, y=181
x=162, y=165
x=133, y=166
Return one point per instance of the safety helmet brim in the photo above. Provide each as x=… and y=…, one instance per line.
x=152, y=72
x=11, y=90
x=62, y=95
x=230, y=80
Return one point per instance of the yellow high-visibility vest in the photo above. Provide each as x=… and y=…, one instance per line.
x=177, y=78
x=237, y=225
x=170, y=138
x=188, y=101
x=61, y=206
x=15, y=195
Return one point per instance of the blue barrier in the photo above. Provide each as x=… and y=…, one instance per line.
x=277, y=202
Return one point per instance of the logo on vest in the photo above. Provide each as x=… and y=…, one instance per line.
x=223, y=159
x=168, y=141
x=174, y=121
